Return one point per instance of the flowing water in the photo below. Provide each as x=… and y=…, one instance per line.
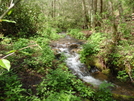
x=78, y=68
x=68, y=46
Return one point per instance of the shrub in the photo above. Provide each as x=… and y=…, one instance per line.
x=11, y=88
x=122, y=76
x=104, y=93
x=97, y=39
x=76, y=33
x=63, y=83
x=49, y=33
x=93, y=46
x=122, y=59
x=36, y=57
x=62, y=96
x=26, y=18
x=88, y=50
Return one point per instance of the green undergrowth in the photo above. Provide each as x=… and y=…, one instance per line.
x=123, y=60
x=100, y=48
x=33, y=52
x=58, y=85
x=76, y=33
x=92, y=46
x=104, y=93
x=11, y=88
x=65, y=84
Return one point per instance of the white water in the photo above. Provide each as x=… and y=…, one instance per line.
x=77, y=67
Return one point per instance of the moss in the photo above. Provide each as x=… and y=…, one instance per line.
x=106, y=71
x=94, y=61
x=98, y=64
x=120, y=97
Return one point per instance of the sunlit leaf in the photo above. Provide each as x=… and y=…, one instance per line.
x=8, y=21
x=5, y=64
x=12, y=51
x=10, y=12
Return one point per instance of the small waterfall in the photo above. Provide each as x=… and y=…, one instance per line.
x=78, y=68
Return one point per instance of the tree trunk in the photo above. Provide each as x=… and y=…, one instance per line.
x=94, y=10
x=92, y=14
x=86, y=17
x=53, y=8
x=101, y=7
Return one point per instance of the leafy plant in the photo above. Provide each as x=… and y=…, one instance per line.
x=35, y=57
x=21, y=43
x=50, y=33
x=62, y=96
x=76, y=33
x=56, y=80
x=63, y=83
x=24, y=18
x=88, y=50
x=4, y=63
x=93, y=46
x=11, y=87
x=122, y=75
x=104, y=93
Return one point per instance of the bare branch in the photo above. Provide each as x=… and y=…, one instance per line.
x=11, y=6
x=20, y=50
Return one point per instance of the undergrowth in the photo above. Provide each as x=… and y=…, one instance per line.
x=76, y=33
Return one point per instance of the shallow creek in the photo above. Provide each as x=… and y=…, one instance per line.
x=69, y=47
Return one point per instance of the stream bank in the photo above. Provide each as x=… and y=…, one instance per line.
x=70, y=48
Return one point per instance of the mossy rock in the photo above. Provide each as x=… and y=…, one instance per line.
x=120, y=97
x=106, y=71
x=95, y=62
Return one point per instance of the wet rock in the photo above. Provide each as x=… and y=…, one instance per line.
x=56, y=51
x=95, y=61
x=72, y=46
x=53, y=44
x=81, y=42
x=75, y=50
x=57, y=56
x=100, y=76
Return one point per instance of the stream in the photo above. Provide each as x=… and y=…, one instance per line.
x=69, y=47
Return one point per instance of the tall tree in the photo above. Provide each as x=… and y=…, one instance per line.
x=53, y=8
x=93, y=12
x=86, y=17
x=101, y=7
